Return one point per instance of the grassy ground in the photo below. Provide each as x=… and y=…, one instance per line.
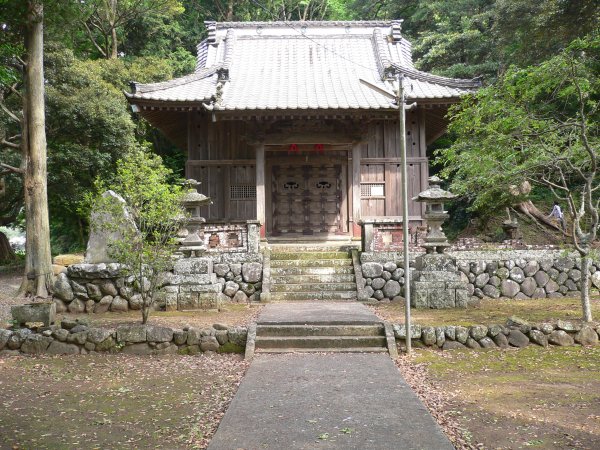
x=491, y=311
x=114, y=401
x=528, y=398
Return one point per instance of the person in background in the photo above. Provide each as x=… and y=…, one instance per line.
x=559, y=216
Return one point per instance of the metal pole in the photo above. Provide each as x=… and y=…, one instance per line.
x=405, y=234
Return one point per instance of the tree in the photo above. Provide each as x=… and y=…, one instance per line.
x=537, y=125
x=30, y=140
x=106, y=21
x=148, y=230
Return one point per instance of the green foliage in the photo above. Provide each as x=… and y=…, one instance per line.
x=148, y=230
x=527, y=127
x=456, y=42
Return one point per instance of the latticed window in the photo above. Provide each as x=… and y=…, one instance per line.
x=242, y=192
x=370, y=190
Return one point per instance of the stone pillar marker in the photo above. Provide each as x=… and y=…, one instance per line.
x=436, y=281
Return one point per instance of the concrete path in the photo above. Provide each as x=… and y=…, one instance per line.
x=350, y=313
x=326, y=401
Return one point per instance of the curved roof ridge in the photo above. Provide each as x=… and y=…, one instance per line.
x=437, y=79
x=141, y=88
x=382, y=55
x=315, y=23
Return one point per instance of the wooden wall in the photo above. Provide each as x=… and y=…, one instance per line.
x=380, y=167
x=221, y=159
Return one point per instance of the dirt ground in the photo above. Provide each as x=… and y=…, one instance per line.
x=491, y=311
x=496, y=399
x=114, y=401
x=513, y=399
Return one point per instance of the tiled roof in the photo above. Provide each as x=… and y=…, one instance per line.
x=301, y=66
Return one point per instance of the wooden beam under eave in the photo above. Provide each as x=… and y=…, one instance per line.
x=309, y=138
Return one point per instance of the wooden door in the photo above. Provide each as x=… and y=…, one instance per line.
x=306, y=199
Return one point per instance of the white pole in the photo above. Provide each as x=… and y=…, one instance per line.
x=405, y=234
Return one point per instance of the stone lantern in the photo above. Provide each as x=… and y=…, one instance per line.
x=436, y=281
x=192, y=237
x=434, y=198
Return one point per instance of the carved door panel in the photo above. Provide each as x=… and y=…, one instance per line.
x=287, y=199
x=306, y=199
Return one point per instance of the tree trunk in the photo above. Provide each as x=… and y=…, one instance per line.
x=585, y=288
x=229, y=16
x=37, y=247
x=113, y=30
x=6, y=251
x=114, y=44
x=145, y=310
x=530, y=210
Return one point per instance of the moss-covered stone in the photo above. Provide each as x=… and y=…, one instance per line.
x=230, y=347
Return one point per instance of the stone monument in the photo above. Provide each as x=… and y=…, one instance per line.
x=436, y=281
x=103, y=231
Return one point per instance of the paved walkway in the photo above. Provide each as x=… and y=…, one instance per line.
x=350, y=313
x=325, y=401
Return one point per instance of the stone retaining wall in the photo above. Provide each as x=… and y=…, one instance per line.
x=515, y=334
x=97, y=288
x=492, y=274
x=76, y=337
x=240, y=278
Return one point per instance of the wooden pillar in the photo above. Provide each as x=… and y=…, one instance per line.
x=356, y=214
x=423, y=154
x=260, y=188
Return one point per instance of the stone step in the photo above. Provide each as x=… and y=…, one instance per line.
x=323, y=350
x=311, y=263
x=312, y=342
x=319, y=330
x=314, y=248
x=309, y=256
x=306, y=279
x=312, y=287
x=342, y=270
x=323, y=295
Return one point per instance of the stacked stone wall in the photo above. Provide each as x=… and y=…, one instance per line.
x=508, y=274
x=523, y=278
x=240, y=279
x=76, y=337
x=98, y=288
x=514, y=334
x=95, y=288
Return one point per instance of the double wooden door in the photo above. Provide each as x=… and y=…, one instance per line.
x=307, y=198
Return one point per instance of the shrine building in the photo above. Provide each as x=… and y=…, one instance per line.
x=279, y=128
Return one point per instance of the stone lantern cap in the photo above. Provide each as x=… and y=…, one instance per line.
x=434, y=194
x=192, y=197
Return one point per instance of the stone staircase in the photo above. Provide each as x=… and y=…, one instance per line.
x=321, y=337
x=312, y=274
